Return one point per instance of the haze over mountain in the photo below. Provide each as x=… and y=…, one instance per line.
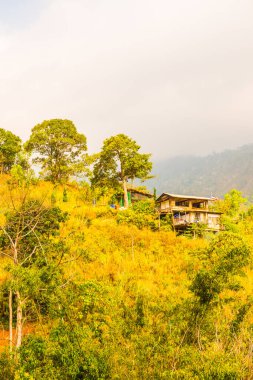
x=157, y=71
x=214, y=174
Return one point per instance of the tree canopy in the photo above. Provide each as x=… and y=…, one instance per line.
x=120, y=161
x=60, y=149
x=84, y=290
x=10, y=146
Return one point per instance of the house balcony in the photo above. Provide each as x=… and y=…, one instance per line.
x=165, y=210
x=182, y=223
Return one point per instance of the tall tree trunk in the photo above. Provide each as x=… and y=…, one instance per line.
x=10, y=320
x=125, y=194
x=19, y=320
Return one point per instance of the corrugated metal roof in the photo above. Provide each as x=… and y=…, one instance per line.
x=180, y=196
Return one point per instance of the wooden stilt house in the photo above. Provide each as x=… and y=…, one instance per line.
x=187, y=209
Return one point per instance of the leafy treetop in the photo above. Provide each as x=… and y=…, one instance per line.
x=10, y=146
x=59, y=147
x=120, y=161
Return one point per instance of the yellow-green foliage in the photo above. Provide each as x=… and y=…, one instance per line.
x=131, y=305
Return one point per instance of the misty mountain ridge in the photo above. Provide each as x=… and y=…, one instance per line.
x=212, y=175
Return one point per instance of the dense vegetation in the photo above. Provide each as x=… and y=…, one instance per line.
x=214, y=174
x=92, y=292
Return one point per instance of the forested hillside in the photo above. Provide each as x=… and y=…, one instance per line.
x=215, y=174
x=90, y=292
x=93, y=291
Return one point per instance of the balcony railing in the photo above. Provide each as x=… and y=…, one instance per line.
x=182, y=209
x=181, y=221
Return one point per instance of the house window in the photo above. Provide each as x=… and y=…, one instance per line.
x=182, y=203
x=198, y=205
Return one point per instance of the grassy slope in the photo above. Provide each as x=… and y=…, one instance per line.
x=135, y=267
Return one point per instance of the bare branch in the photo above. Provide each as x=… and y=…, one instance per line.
x=8, y=235
x=28, y=257
x=6, y=254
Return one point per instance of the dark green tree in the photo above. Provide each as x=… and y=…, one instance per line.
x=10, y=146
x=227, y=254
x=60, y=149
x=25, y=238
x=119, y=162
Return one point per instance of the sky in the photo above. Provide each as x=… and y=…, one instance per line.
x=176, y=76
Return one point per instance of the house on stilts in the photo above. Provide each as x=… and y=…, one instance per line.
x=185, y=210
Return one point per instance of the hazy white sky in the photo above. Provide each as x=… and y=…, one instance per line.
x=177, y=76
